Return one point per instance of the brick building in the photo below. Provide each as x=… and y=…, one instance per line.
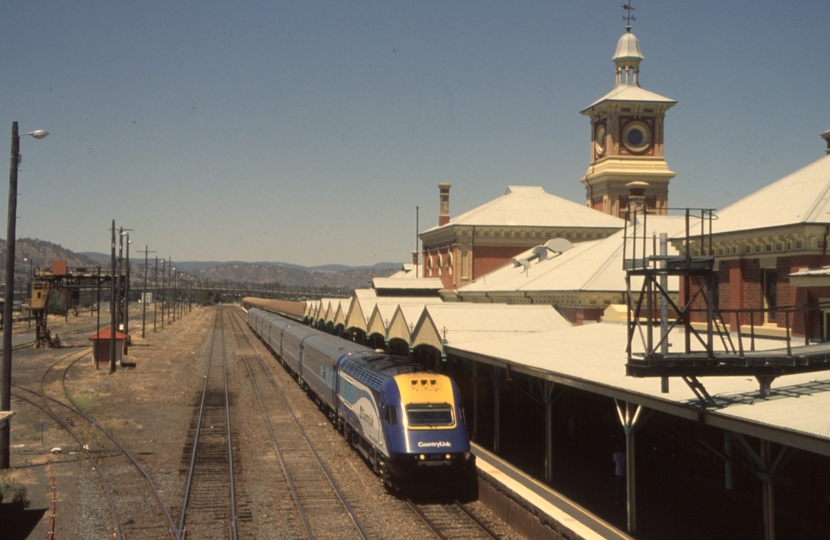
x=483, y=239
x=771, y=253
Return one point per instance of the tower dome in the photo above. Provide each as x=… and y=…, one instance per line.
x=628, y=57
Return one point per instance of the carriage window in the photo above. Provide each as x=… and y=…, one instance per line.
x=429, y=415
x=391, y=415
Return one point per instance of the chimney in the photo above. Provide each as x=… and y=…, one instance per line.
x=415, y=257
x=826, y=137
x=444, y=210
x=637, y=197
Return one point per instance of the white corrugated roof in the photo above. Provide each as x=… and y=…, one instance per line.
x=465, y=322
x=363, y=302
x=596, y=265
x=403, y=321
x=800, y=197
x=426, y=284
x=384, y=310
x=630, y=92
x=531, y=206
x=409, y=271
x=330, y=308
x=596, y=353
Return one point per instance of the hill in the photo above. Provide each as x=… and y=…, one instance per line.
x=42, y=253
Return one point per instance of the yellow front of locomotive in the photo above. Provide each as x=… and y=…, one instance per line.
x=430, y=430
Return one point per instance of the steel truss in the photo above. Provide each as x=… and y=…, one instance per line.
x=709, y=349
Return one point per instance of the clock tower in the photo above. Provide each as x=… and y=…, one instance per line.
x=627, y=139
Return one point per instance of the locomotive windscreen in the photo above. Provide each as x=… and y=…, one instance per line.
x=429, y=415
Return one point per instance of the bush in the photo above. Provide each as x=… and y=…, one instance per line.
x=13, y=493
x=56, y=309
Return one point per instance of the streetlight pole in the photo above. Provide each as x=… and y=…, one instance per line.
x=6, y=394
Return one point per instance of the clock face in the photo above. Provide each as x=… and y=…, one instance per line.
x=636, y=137
x=599, y=139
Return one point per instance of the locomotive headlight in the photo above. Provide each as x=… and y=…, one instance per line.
x=422, y=457
x=448, y=457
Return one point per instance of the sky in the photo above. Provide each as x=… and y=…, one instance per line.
x=308, y=132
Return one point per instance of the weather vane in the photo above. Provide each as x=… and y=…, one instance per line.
x=628, y=17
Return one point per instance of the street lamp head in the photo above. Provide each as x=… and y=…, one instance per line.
x=38, y=133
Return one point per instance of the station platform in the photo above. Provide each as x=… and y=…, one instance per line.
x=546, y=513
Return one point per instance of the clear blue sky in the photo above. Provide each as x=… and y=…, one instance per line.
x=308, y=132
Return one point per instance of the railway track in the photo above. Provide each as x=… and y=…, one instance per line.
x=321, y=506
x=108, y=447
x=452, y=521
x=209, y=508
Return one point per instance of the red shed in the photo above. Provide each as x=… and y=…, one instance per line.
x=101, y=345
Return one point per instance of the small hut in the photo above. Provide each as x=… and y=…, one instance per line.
x=101, y=345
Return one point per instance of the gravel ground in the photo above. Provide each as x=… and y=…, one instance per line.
x=148, y=408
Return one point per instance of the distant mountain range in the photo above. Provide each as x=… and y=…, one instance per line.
x=41, y=254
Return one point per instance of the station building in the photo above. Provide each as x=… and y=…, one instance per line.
x=532, y=318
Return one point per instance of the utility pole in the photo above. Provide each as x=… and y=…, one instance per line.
x=113, y=316
x=163, y=294
x=98, y=321
x=155, y=292
x=127, y=300
x=170, y=282
x=144, y=293
x=175, y=288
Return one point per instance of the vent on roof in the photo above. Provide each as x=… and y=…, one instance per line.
x=558, y=245
x=540, y=252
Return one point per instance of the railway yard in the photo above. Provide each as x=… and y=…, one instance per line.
x=205, y=436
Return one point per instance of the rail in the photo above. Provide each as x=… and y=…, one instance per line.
x=181, y=532
x=458, y=514
x=107, y=491
x=280, y=454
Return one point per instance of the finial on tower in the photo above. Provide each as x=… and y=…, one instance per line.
x=628, y=17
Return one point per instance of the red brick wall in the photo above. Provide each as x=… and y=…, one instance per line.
x=578, y=315
x=699, y=304
x=488, y=258
x=741, y=286
x=753, y=286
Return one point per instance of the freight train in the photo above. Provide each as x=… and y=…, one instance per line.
x=403, y=419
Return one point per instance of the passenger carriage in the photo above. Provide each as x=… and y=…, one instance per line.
x=403, y=419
